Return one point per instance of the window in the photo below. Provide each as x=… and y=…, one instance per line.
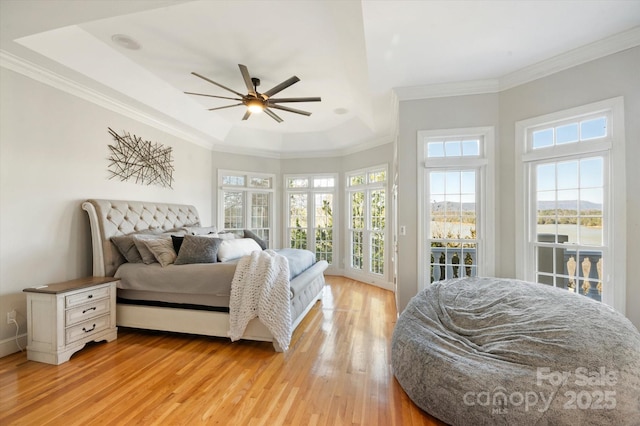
x=247, y=202
x=456, y=207
x=310, y=223
x=569, y=162
x=367, y=216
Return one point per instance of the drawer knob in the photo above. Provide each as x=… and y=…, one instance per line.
x=90, y=296
x=91, y=329
x=90, y=309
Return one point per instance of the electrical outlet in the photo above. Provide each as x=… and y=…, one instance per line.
x=11, y=316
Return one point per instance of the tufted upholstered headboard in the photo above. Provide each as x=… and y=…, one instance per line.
x=109, y=218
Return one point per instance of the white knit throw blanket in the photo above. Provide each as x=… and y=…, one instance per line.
x=260, y=288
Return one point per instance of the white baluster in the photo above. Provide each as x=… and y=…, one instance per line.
x=571, y=269
x=586, y=270
x=599, y=268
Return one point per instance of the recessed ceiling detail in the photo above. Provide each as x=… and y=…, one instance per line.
x=363, y=57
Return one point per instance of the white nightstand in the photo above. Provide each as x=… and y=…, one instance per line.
x=63, y=317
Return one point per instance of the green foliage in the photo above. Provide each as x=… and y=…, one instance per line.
x=590, y=218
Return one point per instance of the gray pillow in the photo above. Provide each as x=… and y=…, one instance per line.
x=260, y=241
x=162, y=249
x=147, y=256
x=127, y=247
x=198, y=249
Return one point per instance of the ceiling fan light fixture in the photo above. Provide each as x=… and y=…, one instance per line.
x=255, y=106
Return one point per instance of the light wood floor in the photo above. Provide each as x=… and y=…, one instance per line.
x=337, y=371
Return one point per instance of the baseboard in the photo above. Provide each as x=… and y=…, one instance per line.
x=8, y=346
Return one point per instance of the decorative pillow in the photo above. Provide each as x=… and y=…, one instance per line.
x=233, y=249
x=147, y=256
x=162, y=250
x=127, y=247
x=177, y=242
x=198, y=249
x=200, y=230
x=254, y=237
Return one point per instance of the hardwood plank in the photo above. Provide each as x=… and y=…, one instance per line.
x=337, y=371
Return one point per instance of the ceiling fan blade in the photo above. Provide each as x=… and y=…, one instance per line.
x=282, y=100
x=246, y=115
x=281, y=86
x=217, y=84
x=228, y=106
x=247, y=79
x=284, y=108
x=272, y=115
x=212, y=96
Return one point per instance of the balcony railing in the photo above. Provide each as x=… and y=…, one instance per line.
x=578, y=271
x=452, y=262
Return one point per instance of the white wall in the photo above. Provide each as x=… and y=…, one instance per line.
x=608, y=77
x=53, y=155
x=429, y=114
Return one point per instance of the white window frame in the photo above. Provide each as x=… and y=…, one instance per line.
x=380, y=280
x=247, y=190
x=614, y=206
x=484, y=163
x=310, y=191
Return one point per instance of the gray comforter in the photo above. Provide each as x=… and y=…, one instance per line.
x=487, y=351
x=200, y=283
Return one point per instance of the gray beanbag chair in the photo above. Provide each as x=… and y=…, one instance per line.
x=488, y=351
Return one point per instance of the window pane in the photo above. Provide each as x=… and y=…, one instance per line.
x=436, y=182
x=233, y=210
x=567, y=175
x=233, y=180
x=379, y=176
x=327, y=182
x=259, y=211
x=468, y=180
x=297, y=183
x=591, y=174
x=357, y=210
x=356, y=249
x=356, y=180
x=435, y=149
x=591, y=129
x=452, y=182
x=452, y=149
x=377, y=210
x=546, y=177
x=377, y=252
x=257, y=182
x=471, y=148
x=298, y=210
x=542, y=138
x=323, y=210
x=298, y=238
x=567, y=133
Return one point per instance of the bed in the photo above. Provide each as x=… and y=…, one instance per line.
x=489, y=351
x=172, y=308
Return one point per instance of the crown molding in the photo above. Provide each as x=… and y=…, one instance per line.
x=590, y=52
x=444, y=90
x=598, y=49
x=50, y=78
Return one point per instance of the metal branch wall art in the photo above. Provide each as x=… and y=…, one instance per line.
x=144, y=162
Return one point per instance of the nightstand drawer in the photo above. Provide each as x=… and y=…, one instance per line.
x=87, y=328
x=86, y=296
x=87, y=311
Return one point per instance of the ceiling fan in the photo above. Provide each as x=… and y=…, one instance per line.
x=255, y=101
